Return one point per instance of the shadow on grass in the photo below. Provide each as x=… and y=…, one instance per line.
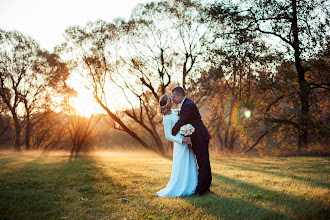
x=267, y=204
x=232, y=208
x=81, y=189
x=306, y=180
x=44, y=189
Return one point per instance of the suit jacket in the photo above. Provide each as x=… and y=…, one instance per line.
x=189, y=114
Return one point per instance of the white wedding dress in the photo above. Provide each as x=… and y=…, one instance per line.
x=184, y=175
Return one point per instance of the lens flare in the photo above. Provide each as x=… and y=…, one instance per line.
x=247, y=113
x=237, y=112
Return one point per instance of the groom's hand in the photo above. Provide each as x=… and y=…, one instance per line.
x=186, y=140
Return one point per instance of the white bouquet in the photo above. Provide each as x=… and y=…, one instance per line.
x=186, y=131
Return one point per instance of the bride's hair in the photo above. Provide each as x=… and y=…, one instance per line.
x=165, y=105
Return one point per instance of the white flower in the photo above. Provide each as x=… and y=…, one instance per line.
x=187, y=130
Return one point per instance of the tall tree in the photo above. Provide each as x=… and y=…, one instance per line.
x=47, y=80
x=298, y=28
x=231, y=86
x=140, y=57
x=27, y=75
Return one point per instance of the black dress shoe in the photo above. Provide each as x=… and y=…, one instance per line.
x=207, y=192
x=196, y=194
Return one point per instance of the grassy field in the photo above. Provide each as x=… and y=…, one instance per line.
x=123, y=186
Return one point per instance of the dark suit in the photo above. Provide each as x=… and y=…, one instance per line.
x=189, y=114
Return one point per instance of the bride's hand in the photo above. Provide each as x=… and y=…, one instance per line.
x=186, y=140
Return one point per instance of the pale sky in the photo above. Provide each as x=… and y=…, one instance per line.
x=46, y=20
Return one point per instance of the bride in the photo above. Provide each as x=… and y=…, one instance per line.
x=183, y=179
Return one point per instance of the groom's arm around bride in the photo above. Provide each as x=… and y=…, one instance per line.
x=189, y=114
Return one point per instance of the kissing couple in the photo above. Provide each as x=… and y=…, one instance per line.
x=186, y=178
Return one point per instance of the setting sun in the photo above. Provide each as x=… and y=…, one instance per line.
x=85, y=105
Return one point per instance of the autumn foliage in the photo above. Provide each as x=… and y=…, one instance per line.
x=258, y=70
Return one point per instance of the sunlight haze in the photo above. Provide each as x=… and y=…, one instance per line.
x=45, y=21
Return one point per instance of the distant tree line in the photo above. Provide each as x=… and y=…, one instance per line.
x=259, y=70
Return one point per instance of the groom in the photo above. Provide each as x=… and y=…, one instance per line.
x=189, y=114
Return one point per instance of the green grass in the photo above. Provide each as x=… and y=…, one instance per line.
x=119, y=186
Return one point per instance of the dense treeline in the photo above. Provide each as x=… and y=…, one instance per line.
x=259, y=70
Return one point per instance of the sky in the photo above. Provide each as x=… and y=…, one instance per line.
x=46, y=20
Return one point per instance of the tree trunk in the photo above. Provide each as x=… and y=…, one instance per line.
x=72, y=151
x=7, y=99
x=17, y=146
x=28, y=136
x=220, y=140
x=184, y=75
x=232, y=141
x=304, y=90
x=27, y=129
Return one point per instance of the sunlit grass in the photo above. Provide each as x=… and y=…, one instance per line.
x=118, y=186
